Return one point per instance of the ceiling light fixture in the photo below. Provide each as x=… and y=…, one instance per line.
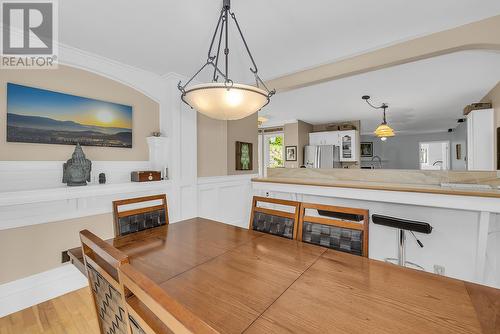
x=383, y=131
x=225, y=100
x=261, y=120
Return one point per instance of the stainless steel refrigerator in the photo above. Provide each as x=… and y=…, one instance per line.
x=322, y=156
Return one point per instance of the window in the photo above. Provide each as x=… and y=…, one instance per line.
x=275, y=151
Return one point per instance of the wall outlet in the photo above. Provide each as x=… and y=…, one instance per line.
x=267, y=194
x=439, y=270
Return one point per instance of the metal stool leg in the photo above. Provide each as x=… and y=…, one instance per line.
x=402, y=248
x=401, y=260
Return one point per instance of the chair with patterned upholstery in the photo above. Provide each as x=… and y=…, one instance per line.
x=140, y=217
x=275, y=216
x=101, y=261
x=338, y=228
x=151, y=310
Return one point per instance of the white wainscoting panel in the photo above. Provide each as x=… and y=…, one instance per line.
x=226, y=198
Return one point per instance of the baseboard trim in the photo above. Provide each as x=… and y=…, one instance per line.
x=33, y=290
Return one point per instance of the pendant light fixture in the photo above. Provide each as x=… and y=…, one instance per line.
x=224, y=99
x=383, y=131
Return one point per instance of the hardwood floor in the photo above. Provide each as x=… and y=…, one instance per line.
x=72, y=313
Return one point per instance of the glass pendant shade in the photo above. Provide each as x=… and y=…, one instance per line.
x=218, y=101
x=384, y=131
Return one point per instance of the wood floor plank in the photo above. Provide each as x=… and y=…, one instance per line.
x=71, y=313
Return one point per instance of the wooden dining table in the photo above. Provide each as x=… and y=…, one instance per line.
x=238, y=280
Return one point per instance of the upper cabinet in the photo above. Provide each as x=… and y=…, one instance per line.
x=348, y=141
x=481, y=140
x=324, y=138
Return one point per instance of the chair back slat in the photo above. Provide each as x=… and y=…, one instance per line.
x=101, y=262
x=152, y=311
x=340, y=228
x=272, y=220
x=142, y=218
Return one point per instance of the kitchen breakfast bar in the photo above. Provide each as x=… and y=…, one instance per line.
x=463, y=209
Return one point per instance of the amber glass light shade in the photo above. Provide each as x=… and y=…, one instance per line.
x=384, y=131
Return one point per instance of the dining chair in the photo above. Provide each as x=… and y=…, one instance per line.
x=151, y=310
x=101, y=262
x=339, y=228
x=275, y=216
x=140, y=217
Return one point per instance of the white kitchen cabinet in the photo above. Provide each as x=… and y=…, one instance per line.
x=349, y=148
x=481, y=140
x=324, y=138
x=316, y=138
x=348, y=141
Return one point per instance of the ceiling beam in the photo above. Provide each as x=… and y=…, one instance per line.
x=482, y=35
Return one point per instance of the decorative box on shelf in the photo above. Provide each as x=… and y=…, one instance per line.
x=145, y=176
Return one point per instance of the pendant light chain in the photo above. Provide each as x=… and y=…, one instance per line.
x=222, y=98
x=226, y=50
x=222, y=31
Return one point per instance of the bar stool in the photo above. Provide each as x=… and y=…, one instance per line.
x=403, y=225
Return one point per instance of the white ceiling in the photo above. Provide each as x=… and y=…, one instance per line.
x=290, y=35
x=424, y=96
x=284, y=35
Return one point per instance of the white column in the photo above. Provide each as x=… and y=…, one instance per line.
x=482, y=243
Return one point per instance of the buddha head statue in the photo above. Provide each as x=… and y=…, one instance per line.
x=76, y=171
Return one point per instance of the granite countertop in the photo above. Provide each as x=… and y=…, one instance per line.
x=417, y=188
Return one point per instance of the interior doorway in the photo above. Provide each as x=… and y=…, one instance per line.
x=272, y=151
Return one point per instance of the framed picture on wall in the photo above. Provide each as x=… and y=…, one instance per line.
x=367, y=149
x=244, y=156
x=291, y=153
x=458, y=151
x=42, y=116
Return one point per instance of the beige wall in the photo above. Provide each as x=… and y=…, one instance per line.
x=244, y=130
x=212, y=143
x=494, y=98
x=82, y=83
x=297, y=134
x=33, y=249
x=304, y=130
x=291, y=138
x=217, y=145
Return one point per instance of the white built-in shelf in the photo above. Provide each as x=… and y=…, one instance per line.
x=66, y=193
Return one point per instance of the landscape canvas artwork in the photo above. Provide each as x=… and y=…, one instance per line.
x=40, y=116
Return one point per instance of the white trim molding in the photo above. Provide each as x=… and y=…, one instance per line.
x=32, y=290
